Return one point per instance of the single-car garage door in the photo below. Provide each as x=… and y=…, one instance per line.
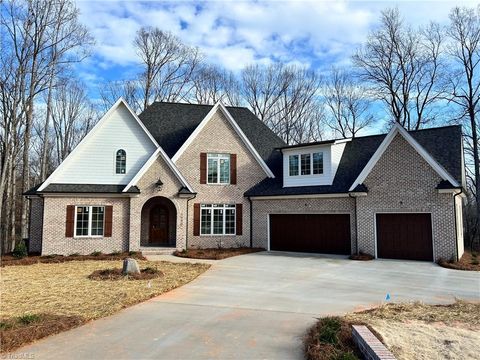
x=316, y=233
x=405, y=236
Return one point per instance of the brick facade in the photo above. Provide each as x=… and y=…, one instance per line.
x=402, y=181
x=218, y=136
x=36, y=224
x=148, y=190
x=54, y=240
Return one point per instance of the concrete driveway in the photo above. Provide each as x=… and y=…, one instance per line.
x=254, y=306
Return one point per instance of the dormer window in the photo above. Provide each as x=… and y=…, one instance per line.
x=305, y=164
x=120, y=162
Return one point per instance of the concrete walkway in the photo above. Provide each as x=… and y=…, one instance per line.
x=254, y=306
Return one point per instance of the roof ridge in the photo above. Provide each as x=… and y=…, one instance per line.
x=192, y=104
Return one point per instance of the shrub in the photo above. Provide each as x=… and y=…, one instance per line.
x=28, y=318
x=329, y=330
x=20, y=250
x=5, y=325
x=115, y=253
x=75, y=254
x=96, y=253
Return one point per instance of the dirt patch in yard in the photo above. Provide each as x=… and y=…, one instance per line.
x=214, y=253
x=117, y=274
x=420, y=331
x=15, y=332
x=470, y=261
x=63, y=290
x=9, y=260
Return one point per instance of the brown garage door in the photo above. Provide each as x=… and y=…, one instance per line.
x=404, y=236
x=316, y=233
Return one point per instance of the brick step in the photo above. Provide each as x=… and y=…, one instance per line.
x=157, y=250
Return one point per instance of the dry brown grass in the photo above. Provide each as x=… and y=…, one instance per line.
x=64, y=289
x=63, y=295
x=420, y=331
x=215, y=253
x=470, y=261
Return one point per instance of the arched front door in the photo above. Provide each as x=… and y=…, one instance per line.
x=159, y=225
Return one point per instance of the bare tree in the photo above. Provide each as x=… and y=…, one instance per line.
x=70, y=42
x=169, y=65
x=129, y=90
x=347, y=103
x=212, y=83
x=35, y=41
x=73, y=116
x=464, y=33
x=403, y=67
x=284, y=97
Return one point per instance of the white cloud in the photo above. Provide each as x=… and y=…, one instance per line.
x=234, y=34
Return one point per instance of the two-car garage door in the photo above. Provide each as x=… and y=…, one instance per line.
x=398, y=235
x=315, y=233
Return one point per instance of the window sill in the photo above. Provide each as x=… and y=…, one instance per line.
x=89, y=236
x=217, y=235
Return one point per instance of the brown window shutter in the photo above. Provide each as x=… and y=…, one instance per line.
x=233, y=169
x=108, y=221
x=70, y=221
x=239, y=219
x=196, y=219
x=203, y=168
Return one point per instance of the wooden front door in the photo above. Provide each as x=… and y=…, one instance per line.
x=159, y=225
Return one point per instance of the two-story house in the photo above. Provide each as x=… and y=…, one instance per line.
x=182, y=176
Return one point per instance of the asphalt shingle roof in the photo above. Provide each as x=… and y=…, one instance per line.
x=82, y=188
x=444, y=144
x=172, y=123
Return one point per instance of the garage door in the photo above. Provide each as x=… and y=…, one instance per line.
x=404, y=236
x=316, y=233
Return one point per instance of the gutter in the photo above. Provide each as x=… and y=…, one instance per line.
x=186, y=222
x=455, y=219
x=356, y=227
x=251, y=221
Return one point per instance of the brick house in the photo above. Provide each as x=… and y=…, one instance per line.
x=182, y=176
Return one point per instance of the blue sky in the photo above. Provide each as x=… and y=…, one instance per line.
x=317, y=34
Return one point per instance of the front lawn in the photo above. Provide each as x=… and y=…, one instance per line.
x=42, y=299
x=215, y=253
x=409, y=331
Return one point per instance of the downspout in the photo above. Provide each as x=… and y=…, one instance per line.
x=356, y=227
x=455, y=219
x=186, y=222
x=251, y=221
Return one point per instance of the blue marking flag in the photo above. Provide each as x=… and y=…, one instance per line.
x=387, y=297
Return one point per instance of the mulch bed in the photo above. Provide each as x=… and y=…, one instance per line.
x=17, y=332
x=330, y=338
x=470, y=261
x=361, y=257
x=9, y=260
x=116, y=274
x=215, y=253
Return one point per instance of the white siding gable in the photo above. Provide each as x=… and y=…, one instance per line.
x=93, y=162
x=332, y=153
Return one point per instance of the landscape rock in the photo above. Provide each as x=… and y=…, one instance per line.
x=130, y=266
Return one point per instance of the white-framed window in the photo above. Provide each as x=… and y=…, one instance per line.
x=293, y=165
x=217, y=219
x=89, y=221
x=218, y=168
x=305, y=164
x=120, y=161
